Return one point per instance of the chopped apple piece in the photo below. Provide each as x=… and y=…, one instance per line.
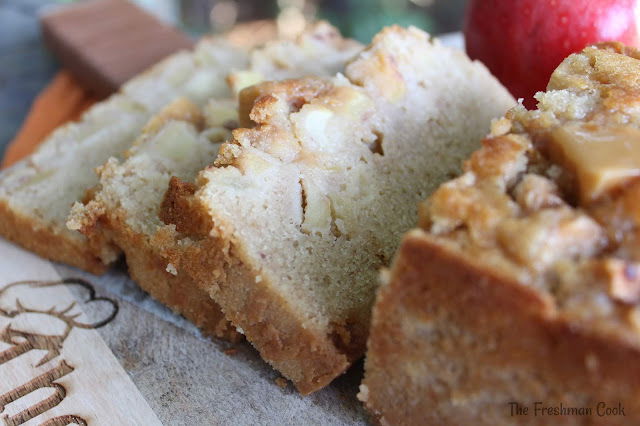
x=600, y=158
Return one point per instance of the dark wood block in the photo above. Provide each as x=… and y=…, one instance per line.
x=106, y=42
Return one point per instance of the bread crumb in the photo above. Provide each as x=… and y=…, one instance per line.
x=281, y=382
x=172, y=269
x=363, y=395
x=230, y=351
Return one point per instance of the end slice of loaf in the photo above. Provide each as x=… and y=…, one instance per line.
x=523, y=283
x=299, y=213
x=123, y=210
x=179, y=142
x=37, y=193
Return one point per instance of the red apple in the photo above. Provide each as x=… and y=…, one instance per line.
x=523, y=41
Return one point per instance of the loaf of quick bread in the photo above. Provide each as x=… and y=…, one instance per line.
x=287, y=231
x=37, y=192
x=122, y=211
x=521, y=288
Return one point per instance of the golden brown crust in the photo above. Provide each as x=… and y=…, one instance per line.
x=246, y=99
x=253, y=101
x=149, y=266
x=47, y=243
x=310, y=358
x=307, y=357
x=617, y=47
x=177, y=200
x=154, y=274
x=524, y=205
x=454, y=341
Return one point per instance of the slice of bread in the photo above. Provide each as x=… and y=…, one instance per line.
x=123, y=211
x=179, y=142
x=291, y=225
x=37, y=193
x=522, y=287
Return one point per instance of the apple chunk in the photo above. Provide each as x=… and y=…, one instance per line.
x=600, y=159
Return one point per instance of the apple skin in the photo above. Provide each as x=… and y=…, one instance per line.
x=523, y=41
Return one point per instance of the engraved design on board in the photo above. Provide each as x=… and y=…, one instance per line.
x=21, y=341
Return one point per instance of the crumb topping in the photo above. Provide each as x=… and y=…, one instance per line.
x=555, y=193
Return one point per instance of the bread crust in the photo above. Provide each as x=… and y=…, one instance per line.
x=453, y=341
x=104, y=223
x=310, y=358
x=44, y=241
x=149, y=266
x=151, y=271
x=176, y=201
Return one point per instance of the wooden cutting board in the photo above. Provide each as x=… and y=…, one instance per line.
x=55, y=369
x=116, y=357
x=104, y=43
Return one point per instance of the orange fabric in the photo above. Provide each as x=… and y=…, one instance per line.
x=63, y=100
